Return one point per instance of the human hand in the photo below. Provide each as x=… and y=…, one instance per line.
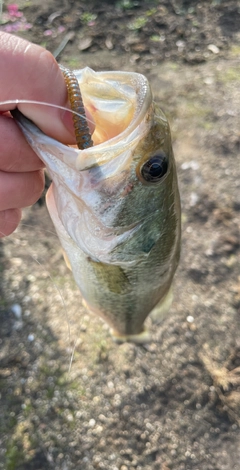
x=27, y=72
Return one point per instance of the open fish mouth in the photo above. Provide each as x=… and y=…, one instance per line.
x=117, y=100
x=118, y=103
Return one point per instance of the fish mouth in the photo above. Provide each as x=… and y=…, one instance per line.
x=118, y=103
x=91, y=185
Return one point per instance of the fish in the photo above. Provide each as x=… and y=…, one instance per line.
x=116, y=205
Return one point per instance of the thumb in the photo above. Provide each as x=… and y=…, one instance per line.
x=38, y=78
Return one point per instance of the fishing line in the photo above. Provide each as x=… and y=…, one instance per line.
x=72, y=348
x=72, y=355
x=44, y=103
x=59, y=293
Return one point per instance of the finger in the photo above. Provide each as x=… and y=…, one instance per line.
x=9, y=221
x=38, y=78
x=16, y=155
x=19, y=190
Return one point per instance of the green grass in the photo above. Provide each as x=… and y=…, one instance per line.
x=14, y=456
x=231, y=74
x=137, y=24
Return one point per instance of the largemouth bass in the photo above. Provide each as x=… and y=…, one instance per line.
x=115, y=206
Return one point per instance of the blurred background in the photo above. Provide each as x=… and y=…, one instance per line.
x=70, y=397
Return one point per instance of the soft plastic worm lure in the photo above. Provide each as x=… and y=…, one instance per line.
x=83, y=136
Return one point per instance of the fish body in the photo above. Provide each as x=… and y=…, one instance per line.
x=116, y=206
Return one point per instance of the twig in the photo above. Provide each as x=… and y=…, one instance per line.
x=69, y=37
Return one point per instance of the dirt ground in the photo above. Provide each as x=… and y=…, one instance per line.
x=173, y=404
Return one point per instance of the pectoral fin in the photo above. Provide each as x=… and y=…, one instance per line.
x=140, y=338
x=66, y=260
x=162, y=308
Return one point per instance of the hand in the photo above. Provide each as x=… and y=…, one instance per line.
x=27, y=72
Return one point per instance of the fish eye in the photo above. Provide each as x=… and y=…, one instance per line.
x=155, y=168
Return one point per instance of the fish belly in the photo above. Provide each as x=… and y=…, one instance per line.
x=106, y=289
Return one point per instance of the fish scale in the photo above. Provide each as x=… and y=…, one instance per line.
x=116, y=205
